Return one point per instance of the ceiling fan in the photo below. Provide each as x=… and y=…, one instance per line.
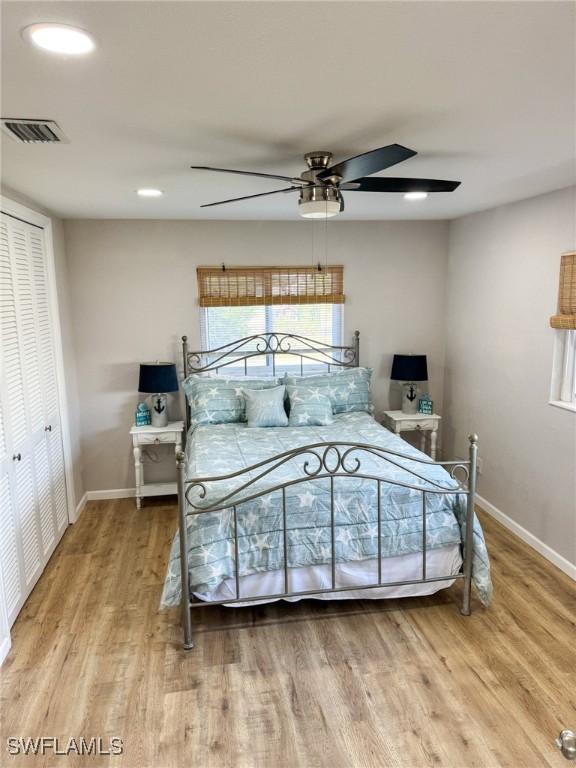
x=320, y=187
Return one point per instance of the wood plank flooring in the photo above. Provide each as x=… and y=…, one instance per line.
x=364, y=684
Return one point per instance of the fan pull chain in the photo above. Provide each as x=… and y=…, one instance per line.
x=326, y=237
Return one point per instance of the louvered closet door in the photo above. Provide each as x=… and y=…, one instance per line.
x=47, y=357
x=12, y=427
x=35, y=479
x=35, y=452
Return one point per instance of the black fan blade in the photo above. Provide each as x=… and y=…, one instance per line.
x=249, y=197
x=388, y=184
x=369, y=162
x=295, y=180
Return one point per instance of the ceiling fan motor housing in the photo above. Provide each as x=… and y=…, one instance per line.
x=321, y=198
x=319, y=193
x=318, y=160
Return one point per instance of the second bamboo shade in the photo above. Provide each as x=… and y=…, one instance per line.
x=565, y=319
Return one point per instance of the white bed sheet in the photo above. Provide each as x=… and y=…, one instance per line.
x=441, y=561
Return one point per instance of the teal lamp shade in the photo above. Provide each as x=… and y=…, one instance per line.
x=157, y=377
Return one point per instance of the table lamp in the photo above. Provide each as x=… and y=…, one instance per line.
x=156, y=379
x=409, y=369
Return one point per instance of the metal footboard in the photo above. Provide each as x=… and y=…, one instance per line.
x=322, y=461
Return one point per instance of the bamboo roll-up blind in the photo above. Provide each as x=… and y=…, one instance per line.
x=566, y=317
x=252, y=286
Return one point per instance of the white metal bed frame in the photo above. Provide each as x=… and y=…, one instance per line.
x=324, y=460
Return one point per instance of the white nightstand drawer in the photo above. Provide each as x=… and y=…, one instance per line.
x=422, y=423
x=149, y=438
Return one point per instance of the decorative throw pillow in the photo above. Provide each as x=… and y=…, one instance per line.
x=265, y=407
x=348, y=389
x=309, y=407
x=219, y=400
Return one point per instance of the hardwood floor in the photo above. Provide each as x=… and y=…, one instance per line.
x=336, y=685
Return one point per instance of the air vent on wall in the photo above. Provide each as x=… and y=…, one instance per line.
x=33, y=131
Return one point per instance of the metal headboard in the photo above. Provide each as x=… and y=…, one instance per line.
x=265, y=345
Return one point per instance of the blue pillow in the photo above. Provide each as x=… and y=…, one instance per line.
x=219, y=400
x=347, y=389
x=309, y=407
x=265, y=407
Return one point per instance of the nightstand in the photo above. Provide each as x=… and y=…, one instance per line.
x=398, y=421
x=151, y=436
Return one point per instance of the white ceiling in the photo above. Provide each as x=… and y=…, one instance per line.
x=484, y=91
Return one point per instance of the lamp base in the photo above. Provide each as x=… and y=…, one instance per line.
x=409, y=398
x=159, y=410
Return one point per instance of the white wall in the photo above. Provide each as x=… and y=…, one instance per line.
x=133, y=294
x=62, y=289
x=503, y=273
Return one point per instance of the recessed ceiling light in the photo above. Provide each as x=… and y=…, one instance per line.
x=415, y=195
x=59, y=38
x=149, y=192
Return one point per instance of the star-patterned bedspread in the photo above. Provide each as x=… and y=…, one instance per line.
x=225, y=448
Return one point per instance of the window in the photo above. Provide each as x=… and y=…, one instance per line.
x=564, y=372
x=235, y=303
x=564, y=322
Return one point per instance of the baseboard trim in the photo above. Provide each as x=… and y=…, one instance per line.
x=113, y=493
x=80, y=508
x=543, y=549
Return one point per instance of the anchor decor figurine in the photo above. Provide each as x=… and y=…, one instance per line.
x=160, y=410
x=157, y=379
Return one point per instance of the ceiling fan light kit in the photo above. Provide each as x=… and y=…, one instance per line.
x=318, y=209
x=320, y=187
